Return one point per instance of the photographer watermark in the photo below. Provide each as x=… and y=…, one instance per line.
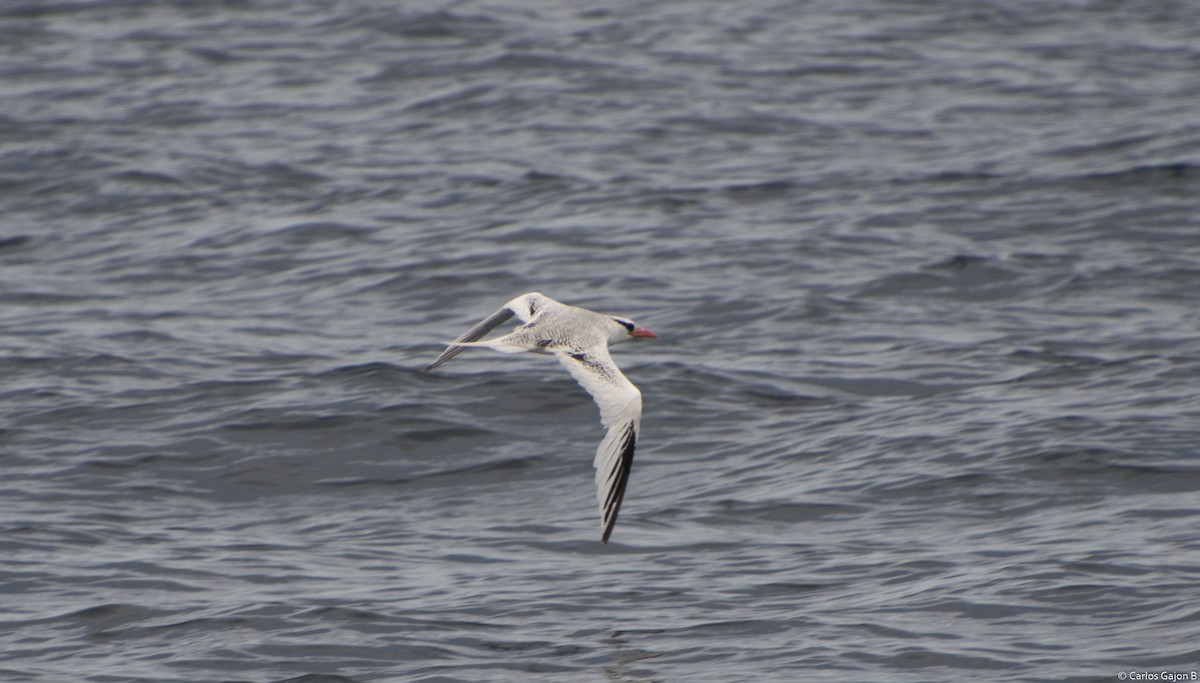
x=1161, y=675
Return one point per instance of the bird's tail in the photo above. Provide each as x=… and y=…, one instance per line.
x=501, y=344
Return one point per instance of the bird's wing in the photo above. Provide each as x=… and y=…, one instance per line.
x=525, y=307
x=483, y=327
x=620, y=405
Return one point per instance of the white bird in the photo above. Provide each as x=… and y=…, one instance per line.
x=579, y=338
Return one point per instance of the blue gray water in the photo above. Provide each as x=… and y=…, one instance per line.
x=925, y=406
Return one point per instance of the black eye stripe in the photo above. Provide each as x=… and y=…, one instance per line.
x=626, y=324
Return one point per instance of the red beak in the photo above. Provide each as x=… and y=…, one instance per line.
x=643, y=332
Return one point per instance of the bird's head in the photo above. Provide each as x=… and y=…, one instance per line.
x=626, y=329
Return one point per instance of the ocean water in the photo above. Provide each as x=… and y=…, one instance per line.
x=924, y=405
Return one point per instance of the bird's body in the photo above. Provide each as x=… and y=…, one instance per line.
x=579, y=338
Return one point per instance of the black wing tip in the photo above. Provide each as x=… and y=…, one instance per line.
x=612, y=523
x=617, y=495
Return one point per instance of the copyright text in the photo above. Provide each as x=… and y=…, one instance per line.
x=1169, y=676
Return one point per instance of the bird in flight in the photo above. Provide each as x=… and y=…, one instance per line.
x=579, y=338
